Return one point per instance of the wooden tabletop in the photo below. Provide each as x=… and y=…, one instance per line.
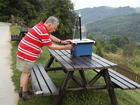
x=71, y=63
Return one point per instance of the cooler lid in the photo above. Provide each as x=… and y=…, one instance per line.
x=83, y=41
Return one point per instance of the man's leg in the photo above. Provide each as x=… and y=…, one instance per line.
x=25, y=67
x=24, y=80
x=24, y=93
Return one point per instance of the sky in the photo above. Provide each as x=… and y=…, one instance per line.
x=79, y=4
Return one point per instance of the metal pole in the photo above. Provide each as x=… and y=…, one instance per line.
x=80, y=26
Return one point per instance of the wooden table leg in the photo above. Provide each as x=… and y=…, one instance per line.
x=64, y=88
x=75, y=79
x=49, y=62
x=86, y=84
x=97, y=76
x=110, y=87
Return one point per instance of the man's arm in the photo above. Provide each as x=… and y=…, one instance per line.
x=58, y=47
x=55, y=39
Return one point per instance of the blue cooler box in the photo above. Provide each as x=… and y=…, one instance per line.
x=82, y=47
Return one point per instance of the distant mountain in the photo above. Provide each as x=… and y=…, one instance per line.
x=125, y=25
x=137, y=9
x=98, y=13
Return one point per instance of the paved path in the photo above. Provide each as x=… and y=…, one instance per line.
x=7, y=93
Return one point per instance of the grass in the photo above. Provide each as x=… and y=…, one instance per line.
x=100, y=97
x=131, y=62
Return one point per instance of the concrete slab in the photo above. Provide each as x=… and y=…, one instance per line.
x=7, y=94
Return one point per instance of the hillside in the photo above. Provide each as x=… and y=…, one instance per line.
x=137, y=9
x=127, y=25
x=98, y=13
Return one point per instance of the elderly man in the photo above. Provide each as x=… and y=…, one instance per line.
x=30, y=47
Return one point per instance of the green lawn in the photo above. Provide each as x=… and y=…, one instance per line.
x=100, y=97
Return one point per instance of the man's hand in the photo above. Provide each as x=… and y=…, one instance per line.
x=66, y=41
x=69, y=47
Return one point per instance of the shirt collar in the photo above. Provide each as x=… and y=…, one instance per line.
x=41, y=23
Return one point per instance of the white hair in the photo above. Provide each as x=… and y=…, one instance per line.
x=53, y=20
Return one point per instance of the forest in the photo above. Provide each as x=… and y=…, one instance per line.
x=125, y=25
x=98, y=13
x=30, y=12
x=121, y=21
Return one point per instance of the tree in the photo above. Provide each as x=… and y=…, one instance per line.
x=21, y=9
x=4, y=10
x=34, y=11
x=63, y=10
x=98, y=48
x=129, y=49
x=110, y=48
x=119, y=41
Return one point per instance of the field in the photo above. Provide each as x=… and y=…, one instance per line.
x=100, y=97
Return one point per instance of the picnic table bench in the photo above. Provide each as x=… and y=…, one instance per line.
x=120, y=81
x=22, y=33
x=41, y=82
x=43, y=85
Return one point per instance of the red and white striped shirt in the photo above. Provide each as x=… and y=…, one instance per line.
x=30, y=46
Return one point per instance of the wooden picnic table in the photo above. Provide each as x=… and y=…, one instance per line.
x=81, y=64
x=43, y=86
x=22, y=33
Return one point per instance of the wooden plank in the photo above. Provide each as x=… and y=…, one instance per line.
x=93, y=62
x=116, y=77
x=104, y=64
x=73, y=64
x=36, y=88
x=68, y=51
x=104, y=60
x=65, y=56
x=121, y=81
x=136, y=85
x=81, y=60
x=119, y=84
x=53, y=89
x=67, y=66
x=90, y=61
x=59, y=52
x=15, y=38
x=83, y=65
x=41, y=82
x=70, y=60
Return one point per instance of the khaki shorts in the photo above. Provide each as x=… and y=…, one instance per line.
x=23, y=65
